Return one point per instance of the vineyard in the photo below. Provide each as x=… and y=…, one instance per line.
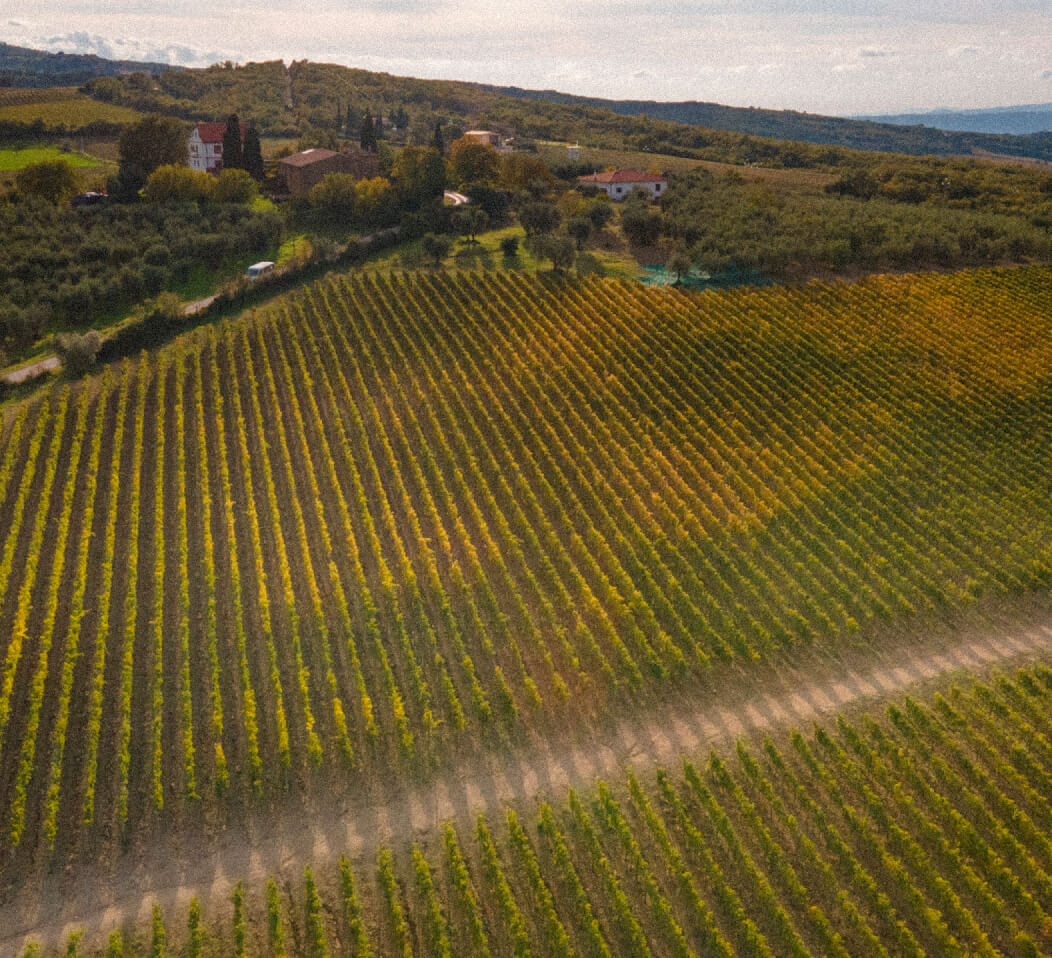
x=20, y=96
x=70, y=112
x=391, y=518
x=920, y=831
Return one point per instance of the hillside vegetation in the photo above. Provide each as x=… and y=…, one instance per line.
x=388, y=518
x=916, y=135
x=285, y=102
x=25, y=67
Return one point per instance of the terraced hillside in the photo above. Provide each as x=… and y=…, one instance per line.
x=352, y=537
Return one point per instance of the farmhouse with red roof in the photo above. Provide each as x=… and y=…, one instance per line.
x=206, y=146
x=619, y=183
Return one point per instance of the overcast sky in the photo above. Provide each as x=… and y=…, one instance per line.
x=823, y=56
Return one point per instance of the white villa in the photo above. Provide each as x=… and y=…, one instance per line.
x=619, y=183
x=206, y=146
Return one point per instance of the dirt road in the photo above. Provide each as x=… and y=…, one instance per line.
x=32, y=370
x=765, y=698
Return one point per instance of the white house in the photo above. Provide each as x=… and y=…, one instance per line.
x=206, y=146
x=619, y=183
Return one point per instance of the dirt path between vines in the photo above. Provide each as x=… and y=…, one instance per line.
x=765, y=698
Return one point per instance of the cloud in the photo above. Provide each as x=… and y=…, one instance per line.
x=967, y=50
x=873, y=52
x=122, y=48
x=80, y=41
x=1046, y=75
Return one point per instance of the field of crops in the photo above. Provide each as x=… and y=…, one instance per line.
x=390, y=518
x=20, y=96
x=920, y=831
x=72, y=112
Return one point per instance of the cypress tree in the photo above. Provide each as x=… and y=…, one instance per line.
x=438, y=141
x=233, y=158
x=252, y=160
x=351, y=122
x=368, y=137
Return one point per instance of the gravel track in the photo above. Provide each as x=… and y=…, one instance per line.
x=804, y=689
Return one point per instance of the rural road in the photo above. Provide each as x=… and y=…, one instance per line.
x=455, y=199
x=48, y=363
x=766, y=698
x=32, y=370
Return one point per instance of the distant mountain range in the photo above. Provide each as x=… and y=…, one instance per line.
x=23, y=67
x=1019, y=120
x=880, y=134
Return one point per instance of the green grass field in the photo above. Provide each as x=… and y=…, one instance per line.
x=19, y=159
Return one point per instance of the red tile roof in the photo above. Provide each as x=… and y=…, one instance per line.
x=213, y=132
x=622, y=176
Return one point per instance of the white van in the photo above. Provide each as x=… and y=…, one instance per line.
x=259, y=269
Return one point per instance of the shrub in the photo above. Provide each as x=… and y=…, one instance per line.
x=53, y=180
x=235, y=186
x=641, y=226
x=509, y=246
x=77, y=351
x=179, y=184
x=336, y=196
x=436, y=248
x=558, y=249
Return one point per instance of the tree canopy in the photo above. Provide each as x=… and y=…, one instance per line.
x=152, y=142
x=52, y=180
x=473, y=162
x=420, y=175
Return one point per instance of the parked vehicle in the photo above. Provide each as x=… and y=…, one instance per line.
x=259, y=269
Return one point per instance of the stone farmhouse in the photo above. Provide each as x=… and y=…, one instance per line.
x=206, y=146
x=302, y=171
x=617, y=184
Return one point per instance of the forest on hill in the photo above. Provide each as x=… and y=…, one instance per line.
x=921, y=136
x=25, y=67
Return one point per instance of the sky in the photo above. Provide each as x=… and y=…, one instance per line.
x=839, y=57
